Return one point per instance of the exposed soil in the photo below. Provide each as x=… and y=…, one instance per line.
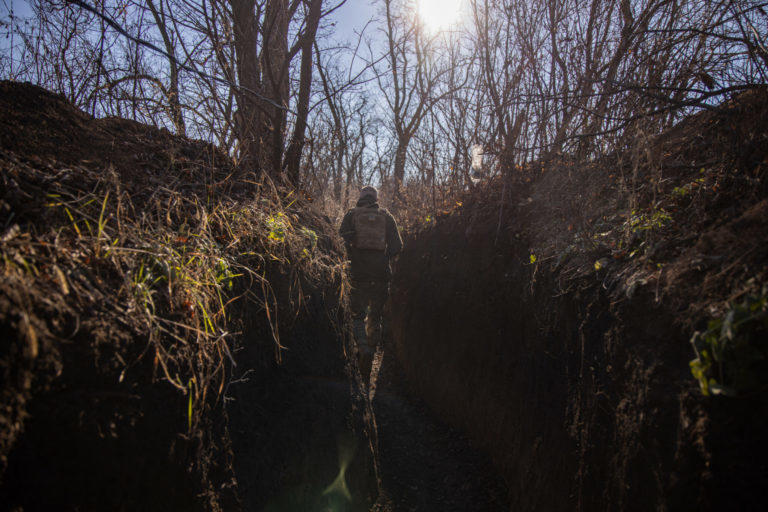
x=550, y=317
x=546, y=320
x=85, y=424
x=103, y=410
x=89, y=422
x=300, y=436
x=425, y=464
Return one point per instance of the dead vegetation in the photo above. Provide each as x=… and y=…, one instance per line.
x=140, y=246
x=551, y=314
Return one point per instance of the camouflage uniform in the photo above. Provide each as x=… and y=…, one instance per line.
x=370, y=273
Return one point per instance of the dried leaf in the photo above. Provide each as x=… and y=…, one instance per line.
x=31, y=337
x=10, y=233
x=62, y=279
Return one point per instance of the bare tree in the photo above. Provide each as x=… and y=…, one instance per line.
x=532, y=81
x=410, y=83
x=174, y=98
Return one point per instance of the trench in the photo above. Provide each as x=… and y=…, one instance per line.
x=492, y=392
x=306, y=435
x=499, y=387
x=580, y=397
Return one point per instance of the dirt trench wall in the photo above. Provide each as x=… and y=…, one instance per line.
x=116, y=365
x=300, y=435
x=549, y=315
x=94, y=434
x=578, y=402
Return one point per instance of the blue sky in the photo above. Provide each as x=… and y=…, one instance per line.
x=350, y=17
x=20, y=8
x=349, y=20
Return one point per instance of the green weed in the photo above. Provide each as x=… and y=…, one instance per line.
x=311, y=237
x=731, y=355
x=278, y=225
x=648, y=221
x=680, y=193
x=224, y=275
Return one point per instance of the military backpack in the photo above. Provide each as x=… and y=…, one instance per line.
x=370, y=229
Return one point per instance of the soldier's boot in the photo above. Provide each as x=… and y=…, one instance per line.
x=364, y=352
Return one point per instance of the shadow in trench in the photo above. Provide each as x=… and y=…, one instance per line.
x=300, y=430
x=426, y=465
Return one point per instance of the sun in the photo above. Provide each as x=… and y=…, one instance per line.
x=439, y=14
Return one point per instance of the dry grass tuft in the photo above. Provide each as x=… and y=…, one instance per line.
x=147, y=246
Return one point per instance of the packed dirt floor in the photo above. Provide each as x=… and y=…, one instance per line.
x=425, y=464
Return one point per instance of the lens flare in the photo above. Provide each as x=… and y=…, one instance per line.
x=339, y=487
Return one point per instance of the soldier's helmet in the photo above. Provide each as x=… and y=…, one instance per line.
x=369, y=191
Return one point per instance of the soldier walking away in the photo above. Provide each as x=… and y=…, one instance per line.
x=371, y=239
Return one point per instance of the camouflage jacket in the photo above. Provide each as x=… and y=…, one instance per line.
x=370, y=264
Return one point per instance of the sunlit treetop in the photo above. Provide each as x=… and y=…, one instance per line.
x=437, y=15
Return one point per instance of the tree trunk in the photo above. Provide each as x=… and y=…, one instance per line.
x=399, y=171
x=338, y=181
x=174, y=101
x=293, y=153
x=275, y=86
x=246, y=120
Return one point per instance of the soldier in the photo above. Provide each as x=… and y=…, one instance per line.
x=371, y=239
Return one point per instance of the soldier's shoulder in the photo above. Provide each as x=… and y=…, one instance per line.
x=387, y=213
x=348, y=216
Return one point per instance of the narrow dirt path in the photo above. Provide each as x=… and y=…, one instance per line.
x=425, y=464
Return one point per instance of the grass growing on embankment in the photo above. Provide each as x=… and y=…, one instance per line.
x=129, y=257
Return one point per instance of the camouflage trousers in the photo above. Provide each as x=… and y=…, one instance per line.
x=367, y=299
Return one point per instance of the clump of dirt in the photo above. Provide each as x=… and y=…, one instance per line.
x=550, y=317
x=132, y=263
